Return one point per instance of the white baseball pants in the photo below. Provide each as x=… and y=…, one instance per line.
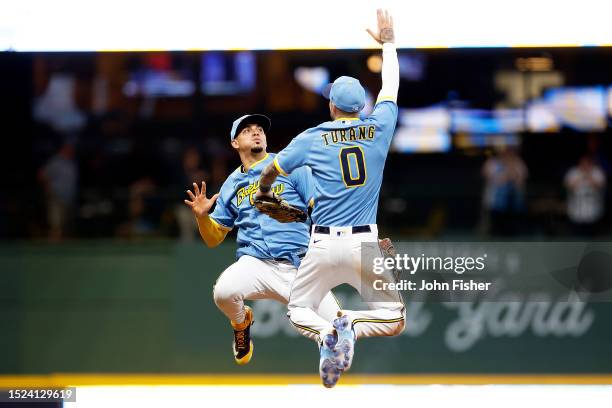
x=251, y=278
x=333, y=259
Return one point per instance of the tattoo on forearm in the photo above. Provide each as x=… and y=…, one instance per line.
x=264, y=188
x=387, y=35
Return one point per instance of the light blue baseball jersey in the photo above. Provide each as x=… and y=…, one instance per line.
x=258, y=234
x=347, y=158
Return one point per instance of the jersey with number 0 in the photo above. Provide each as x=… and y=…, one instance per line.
x=258, y=234
x=347, y=157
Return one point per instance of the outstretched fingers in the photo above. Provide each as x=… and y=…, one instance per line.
x=380, y=17
x=385, y=26
x=384, y=18
x=190, y=194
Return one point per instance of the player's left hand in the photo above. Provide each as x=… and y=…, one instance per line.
x=385, y=31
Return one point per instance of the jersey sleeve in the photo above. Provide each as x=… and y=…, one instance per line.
x=384, y=117
x=211, y=232
x=294, y=155
x=224, y=215
x=303, y=183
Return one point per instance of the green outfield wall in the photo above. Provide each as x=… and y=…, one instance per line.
x=112, y=307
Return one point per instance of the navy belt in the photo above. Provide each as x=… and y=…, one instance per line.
x=301, y=256
x=357, y=229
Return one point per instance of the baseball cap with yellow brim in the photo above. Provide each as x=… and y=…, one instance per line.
x=346, y=93
x=252, y=119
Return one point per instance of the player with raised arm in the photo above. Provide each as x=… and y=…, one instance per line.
x=347, y=157
x=269, y=252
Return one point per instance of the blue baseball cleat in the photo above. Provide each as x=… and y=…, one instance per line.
x=329, y=363
x=346, y=341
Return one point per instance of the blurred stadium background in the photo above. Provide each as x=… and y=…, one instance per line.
x=103, y=278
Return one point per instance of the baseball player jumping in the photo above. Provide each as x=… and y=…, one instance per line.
x=347, y=157
x=269, y=252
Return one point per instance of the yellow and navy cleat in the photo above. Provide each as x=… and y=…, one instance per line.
x=242, y=346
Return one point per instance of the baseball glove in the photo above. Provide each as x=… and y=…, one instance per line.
x=388, y=251
x=280, y=209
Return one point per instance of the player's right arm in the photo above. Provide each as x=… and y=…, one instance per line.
x=211, y=231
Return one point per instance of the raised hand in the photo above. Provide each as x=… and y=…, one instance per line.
x=385, y=28
x=199, y=204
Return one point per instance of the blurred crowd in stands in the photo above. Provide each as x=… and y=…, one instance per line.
x=505, y=203
x=104, y=172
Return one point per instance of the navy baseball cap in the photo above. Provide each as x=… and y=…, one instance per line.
x=254, y=119
x=346, y=93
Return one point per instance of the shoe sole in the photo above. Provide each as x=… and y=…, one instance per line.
x=329, y=366
x=346, y=342
x=330, y=373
